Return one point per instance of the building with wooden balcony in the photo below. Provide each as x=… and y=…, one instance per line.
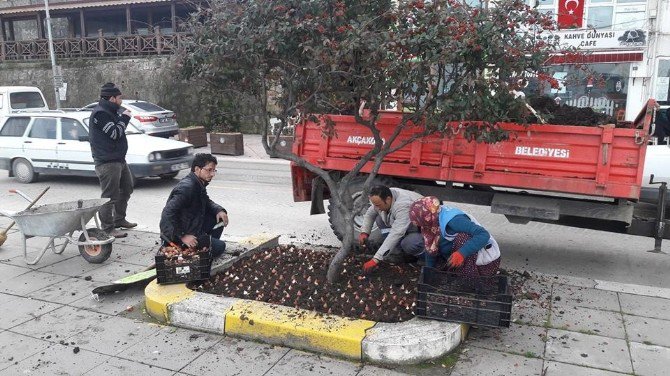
x=90, y=28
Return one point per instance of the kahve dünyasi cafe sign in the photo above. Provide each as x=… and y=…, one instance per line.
x=590, y=39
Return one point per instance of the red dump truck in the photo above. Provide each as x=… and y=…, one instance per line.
x=589, y=177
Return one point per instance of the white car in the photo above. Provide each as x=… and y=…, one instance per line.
x=150, y=118
x=56, y=142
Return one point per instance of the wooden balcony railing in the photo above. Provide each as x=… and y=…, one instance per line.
x=100, y=46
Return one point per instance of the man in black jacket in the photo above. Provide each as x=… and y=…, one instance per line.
x=107, y=135
x=189, y=215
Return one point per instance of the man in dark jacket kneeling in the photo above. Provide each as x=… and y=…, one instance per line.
x=189, y=215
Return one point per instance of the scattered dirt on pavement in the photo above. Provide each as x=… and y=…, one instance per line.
x=296, y=277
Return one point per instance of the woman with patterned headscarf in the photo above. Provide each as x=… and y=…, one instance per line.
x=456, y=236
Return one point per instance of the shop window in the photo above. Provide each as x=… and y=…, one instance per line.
x=662, y=91
x=630, y=20
x=599, y=17
x=606, y=93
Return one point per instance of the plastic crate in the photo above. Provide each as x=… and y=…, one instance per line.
x=484, y=301
x=188, y=269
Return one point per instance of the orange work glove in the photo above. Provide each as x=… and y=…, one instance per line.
x=362, y=238
x=456, y=260
x=370, y=266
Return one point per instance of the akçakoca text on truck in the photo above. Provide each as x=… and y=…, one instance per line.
x=588, y=177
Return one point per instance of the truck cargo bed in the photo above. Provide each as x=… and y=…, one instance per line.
x=599, y=161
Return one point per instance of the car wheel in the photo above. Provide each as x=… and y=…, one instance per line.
x=23, y=171
x=169, y=175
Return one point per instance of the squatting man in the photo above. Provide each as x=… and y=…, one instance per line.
x=401, y=240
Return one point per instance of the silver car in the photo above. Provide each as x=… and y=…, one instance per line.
x=150, y=118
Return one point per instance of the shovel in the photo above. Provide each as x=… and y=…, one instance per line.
x=3, y=234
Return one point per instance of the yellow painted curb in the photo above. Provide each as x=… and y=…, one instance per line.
x=297, y=328
x=157, y=298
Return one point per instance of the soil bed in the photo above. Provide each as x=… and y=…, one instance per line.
x=564, y=114
x=296, y=277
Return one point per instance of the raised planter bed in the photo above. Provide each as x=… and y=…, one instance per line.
x=296, y=277
x=227, y=143
x=284, y=144
x=196, y=136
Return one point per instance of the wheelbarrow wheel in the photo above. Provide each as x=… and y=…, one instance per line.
x=95, y=254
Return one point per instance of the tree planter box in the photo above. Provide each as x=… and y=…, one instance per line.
x=227, y=143
x=284, y=145
x=196, y=136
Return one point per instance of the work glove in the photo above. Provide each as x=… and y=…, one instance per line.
x=370, y=266
x=456, y=260
x=362, y=238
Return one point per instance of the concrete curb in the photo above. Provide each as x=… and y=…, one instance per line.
x=408, y=342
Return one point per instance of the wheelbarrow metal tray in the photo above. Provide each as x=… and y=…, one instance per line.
x=57, y=219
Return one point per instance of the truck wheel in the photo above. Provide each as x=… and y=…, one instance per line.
x=23, y=171
x=356, y=187
x=95, y=254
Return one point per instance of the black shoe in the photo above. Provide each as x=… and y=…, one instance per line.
x=124, y=224
x=117, y=233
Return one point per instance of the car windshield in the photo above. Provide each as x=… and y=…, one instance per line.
x=144, y=106
x=130, y=129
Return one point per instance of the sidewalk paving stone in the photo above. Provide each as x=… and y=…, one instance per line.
x=531, y=312
x=109, y=304
x=18, y=310
x=122, y=367
x=111, y=335
x=29, y=282
x=59, y=324
x=236, y=357
x=297, y=362
x=170, y=348
x=646, y=306
x=648, y=330
x=9, y=272
x=112, y=271
x=57, y=360
x=65, y=292
x=519, y=339
x=588, y=320
x=16, y=347
x=563, y=369
x=588, y=350
x=649, y=360
x=48, y=259
x=74, y=266
x=475, y=361
x=576, y=296
x=376, y=371
x=135, y=255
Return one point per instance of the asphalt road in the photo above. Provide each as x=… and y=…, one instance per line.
x=258, y=197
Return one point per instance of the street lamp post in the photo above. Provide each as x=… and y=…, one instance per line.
x=53, y=56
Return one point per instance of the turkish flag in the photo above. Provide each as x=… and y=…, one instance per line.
x=570, y=13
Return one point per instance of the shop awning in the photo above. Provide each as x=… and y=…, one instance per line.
x=611, y=57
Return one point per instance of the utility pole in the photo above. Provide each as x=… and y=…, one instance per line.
x=58, y=79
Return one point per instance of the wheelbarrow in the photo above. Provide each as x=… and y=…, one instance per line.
x=60, y=221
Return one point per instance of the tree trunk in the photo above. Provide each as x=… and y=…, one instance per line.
x=344, y=205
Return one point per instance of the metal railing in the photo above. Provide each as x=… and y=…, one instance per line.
x=100, y=46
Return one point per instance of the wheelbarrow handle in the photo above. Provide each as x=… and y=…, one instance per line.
x=32, y=203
